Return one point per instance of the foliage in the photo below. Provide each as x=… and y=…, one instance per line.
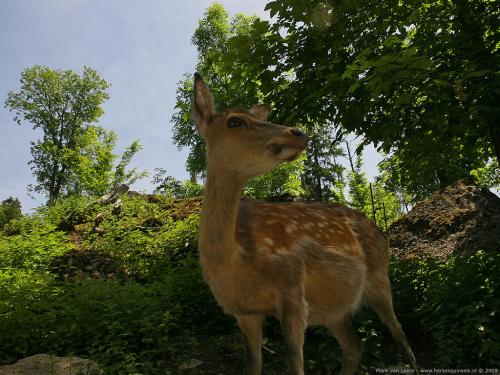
x=10, y=209
x=62, y=104
x=95, y=170
x=323, y=177
x=134, y=320
x=419, y=79
x=210, y=39
x=144, y=238
x=474, y=310
x=487, y=176
x=455, y=302
x=33, y=245
x=174, y=188
x=386, y=207
x=154, y=308
x=126, y=327
x=359, y=187
x=122, y=175
x=285, y=180
x=74, y=155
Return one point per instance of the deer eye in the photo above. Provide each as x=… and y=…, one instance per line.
x=235, y=122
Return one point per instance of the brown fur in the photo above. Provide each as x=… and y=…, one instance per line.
x=305, y=263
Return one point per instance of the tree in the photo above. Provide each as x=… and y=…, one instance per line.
x=323, y=174
x=10, y=209
x=358, y=185
x=234, y=84
x=210, y=38
x=419, y=79
x=389, y=205
x=62, y=104
x=283, y=182
x=488, y=176
x=96, y=168
x=375, y=200
x=73, y=155
x=174, y=188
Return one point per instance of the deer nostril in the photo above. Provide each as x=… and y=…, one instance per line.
x=297, y=132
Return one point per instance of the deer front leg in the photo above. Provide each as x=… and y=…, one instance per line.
x=293, y=322
x=251, y=329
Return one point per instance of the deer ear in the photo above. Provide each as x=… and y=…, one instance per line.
x=203, y=104
x=261, y=111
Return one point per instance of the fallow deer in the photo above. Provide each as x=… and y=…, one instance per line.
x=305, y=263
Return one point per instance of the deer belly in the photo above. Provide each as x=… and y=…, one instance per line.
x=331, y=296
x=238, y=298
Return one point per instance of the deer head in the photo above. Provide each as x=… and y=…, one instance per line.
x=243, y=141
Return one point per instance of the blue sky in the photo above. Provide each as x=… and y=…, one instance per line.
x=142, y=48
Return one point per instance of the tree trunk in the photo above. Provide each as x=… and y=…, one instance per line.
x=52, y=186
x=350, y=157
x=318, y=188
x=59, y=182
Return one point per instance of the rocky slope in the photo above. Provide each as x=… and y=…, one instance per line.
x=459, y=219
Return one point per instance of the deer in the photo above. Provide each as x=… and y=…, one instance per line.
x=306, y=263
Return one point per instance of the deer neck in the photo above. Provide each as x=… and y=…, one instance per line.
x=217, y=236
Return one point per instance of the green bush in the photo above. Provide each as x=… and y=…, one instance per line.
x=158, y=309
x=105, y=319
x=124, y=326
x=144, y=238
x=37, y=243
x=32, y=242
x=10, y=209
x=21, y=316
x=461, y=310
x=133, y=324
x=455, y=302
x=13, y=227
x=68, y=212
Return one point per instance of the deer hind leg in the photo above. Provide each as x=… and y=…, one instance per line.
x=251, y=329
x=380, y=299
x=349, y=343
x=293, y=319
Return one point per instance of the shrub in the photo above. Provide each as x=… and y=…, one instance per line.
x=13, y=227
x=68, y=212
x=160, y=308
x=125, y=326
x=456, y=302
x=10, y=209
x=34, y=247
x=22, y=315
x=144, y=238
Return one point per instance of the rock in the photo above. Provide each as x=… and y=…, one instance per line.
x=460, y=219
x=113, y=195
x=117, y=206
x=43, y=364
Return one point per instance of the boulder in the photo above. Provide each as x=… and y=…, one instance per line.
x=44, y=364
x=460, y=219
